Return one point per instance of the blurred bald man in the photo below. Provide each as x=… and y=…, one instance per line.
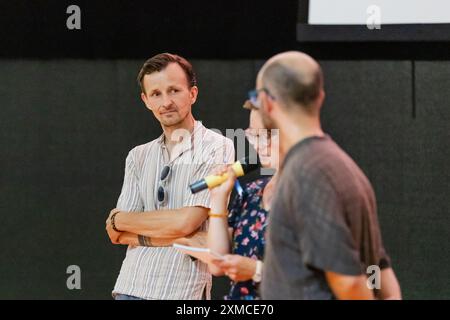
x=323, y=237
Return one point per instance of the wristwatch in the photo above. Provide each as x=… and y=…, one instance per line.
x=258, y=273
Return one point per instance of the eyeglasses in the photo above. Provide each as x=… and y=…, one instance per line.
x=162, y=193
x=253, y=96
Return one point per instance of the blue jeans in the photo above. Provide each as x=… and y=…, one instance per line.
x=126, y=297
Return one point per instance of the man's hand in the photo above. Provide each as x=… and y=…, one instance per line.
x=113, y=235
x=237, y=268
x=113, y=211
x=223, y=190
x=128, y=238
x=197, y=239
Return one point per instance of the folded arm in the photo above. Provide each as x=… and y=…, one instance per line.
x=162, y=224
x=196, y=239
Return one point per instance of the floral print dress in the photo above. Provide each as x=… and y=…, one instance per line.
x=248, y=219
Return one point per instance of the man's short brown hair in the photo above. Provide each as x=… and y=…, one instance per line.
x=160, y=62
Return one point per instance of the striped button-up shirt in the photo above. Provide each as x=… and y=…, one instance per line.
x=164, y=272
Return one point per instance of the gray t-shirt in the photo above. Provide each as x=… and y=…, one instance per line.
x=323, y=218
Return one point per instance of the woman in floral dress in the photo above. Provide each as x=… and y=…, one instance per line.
x=239, y=234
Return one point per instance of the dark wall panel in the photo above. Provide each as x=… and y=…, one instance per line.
x=367, y=108
x=427, y=181
x=223, y=90
x=67, y=125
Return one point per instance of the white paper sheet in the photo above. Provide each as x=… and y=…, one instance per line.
x=203, y=254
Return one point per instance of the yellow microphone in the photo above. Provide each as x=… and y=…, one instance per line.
x=240, y=168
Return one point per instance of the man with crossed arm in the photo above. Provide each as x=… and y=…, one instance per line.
x=156, y=207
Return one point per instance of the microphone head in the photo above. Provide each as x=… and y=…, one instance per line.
x=198, y=186
x=250, y=164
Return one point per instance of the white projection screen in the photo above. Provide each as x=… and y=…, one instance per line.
x=355, y=12
x=373, y=21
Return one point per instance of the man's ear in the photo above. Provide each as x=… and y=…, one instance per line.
x=268, y=104
x=320, y=99
x=144, y=99
x=194, y=94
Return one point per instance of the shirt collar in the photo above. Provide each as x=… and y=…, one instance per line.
x=198, y=126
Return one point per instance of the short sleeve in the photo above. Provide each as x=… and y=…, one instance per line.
x=326, y=241
x=130, y=198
